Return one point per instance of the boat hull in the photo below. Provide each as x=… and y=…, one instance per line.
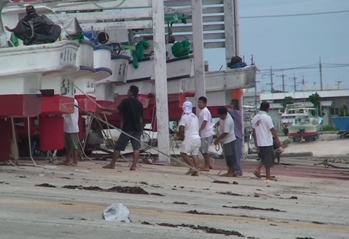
x=57, y=104
x=20, y=95
x=87, y=103
x=24, y=105
x=304, y=131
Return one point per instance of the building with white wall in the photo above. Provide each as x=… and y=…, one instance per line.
x=331, y=102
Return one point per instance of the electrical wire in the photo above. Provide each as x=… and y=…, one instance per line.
x=295, y=14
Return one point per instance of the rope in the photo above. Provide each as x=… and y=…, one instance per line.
x=157, y=150
x=150, y=146
x=217, y=147
x=89, y=97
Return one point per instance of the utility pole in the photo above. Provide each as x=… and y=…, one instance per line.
x=295, y=83
x=271, y=80
x=320, y=69
x=283, y=81
x=338, y=84
x=303, y=83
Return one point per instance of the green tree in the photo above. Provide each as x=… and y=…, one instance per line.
x=287, y=100
x=315, y=99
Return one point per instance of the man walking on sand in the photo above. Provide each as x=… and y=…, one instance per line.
x=189, y=126
x=263, y=133
x=205, y=131
x=227, y=137
x=131, y=110
x=235, y=113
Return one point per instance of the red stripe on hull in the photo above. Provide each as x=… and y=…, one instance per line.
x=86, y=103
x=20, y=105
x=57, y=104
x=307, y=134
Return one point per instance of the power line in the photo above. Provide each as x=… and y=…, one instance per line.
x=295, y=14
x=307, y=67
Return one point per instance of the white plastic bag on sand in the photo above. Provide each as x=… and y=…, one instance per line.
x=117, y=212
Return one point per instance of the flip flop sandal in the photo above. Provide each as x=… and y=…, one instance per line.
x=257, y=174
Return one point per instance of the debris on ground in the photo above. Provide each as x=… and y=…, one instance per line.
x=45, y=185
x=117, y=189
x=231, y=194
x=183, y=203
x=210, y=230
x=254, y=208
x=205, y=213
x=117, y=212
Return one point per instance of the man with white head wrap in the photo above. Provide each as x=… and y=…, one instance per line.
x=189, y=126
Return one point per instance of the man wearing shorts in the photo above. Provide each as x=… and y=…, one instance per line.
x=206, y=132
x=71, y=130
x=131, y=110
x=263, y=133
x=189, y=125
x=227, y=137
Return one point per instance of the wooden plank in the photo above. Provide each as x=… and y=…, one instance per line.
x=100, y=26
x=143, y=26
x=88, y=5
x=136, y=14
x=189, y=36
x=91, y=17
x=211, y=18
x=207, y=27
x=213, y=10
x=185, y=3
x=217, y=44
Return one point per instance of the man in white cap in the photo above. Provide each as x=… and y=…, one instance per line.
x=189, y=126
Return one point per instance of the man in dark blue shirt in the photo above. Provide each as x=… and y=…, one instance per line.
x=131, y=110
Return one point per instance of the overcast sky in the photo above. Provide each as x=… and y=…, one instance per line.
x=287, y=42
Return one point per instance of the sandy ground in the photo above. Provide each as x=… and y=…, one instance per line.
x=306, y=201
x=289, y=208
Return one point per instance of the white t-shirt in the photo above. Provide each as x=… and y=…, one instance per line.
x=262, y=124
x=191, y=126
x=227, y=126
x=71, y=120
x=205, y=115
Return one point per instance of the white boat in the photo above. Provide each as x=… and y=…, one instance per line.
x=58, y=84
x=291, y=112
x=305, y=127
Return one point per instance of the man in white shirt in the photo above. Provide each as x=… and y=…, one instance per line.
x=206, y=132
x=263, y=133
x=71, y=129
x=189, y=126
x=227, y=137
